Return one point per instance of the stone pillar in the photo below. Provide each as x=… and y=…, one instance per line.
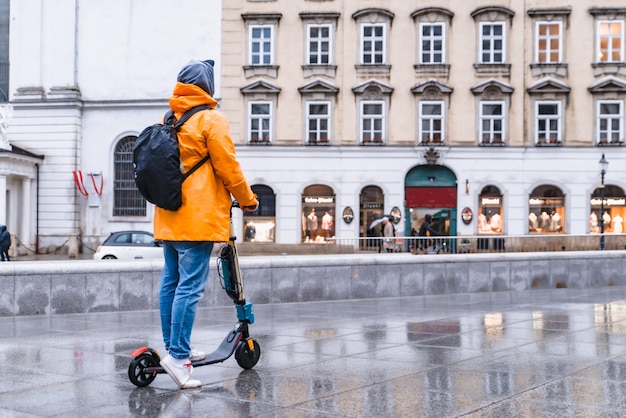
x=13, y=248
x=3, y=199
x=24, y=232
x=72, y=251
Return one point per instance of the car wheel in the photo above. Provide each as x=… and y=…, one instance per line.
x=109, y=257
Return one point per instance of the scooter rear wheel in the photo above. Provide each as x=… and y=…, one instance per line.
x=247, y=358
x=137, y=367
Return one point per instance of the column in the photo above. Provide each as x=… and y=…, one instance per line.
x=3, y=195
x=25, y=233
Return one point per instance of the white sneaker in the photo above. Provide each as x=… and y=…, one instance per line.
x=197, y=355
x=180, y=374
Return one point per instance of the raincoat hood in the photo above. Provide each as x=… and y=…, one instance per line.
x=198, y=73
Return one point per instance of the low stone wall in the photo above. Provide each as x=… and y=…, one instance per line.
x=80, y=286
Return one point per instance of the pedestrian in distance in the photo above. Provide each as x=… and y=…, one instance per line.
x=426, y=230
x=189, y=233
x=389, y=235
x=5, y=243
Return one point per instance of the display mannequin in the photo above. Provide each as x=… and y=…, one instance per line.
x=593, y=222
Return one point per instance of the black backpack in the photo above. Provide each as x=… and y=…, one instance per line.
x=156, y=161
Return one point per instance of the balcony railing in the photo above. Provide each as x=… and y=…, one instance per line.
x=486, y=244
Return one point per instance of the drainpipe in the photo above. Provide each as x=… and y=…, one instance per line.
x=37, y=211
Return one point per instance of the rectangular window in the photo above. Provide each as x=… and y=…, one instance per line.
x=431, y=43
x=492, y=122
x=260, y=122
x=261, y=45
x=548, y=122
x=372, y=121
x=492, y=43
x=372, y=44
x=548, y=47
x=431, y=122
x=318, y=122
x=610, y=41
x=610, y=122
x=319, y=44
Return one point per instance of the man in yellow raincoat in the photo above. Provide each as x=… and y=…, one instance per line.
x=189, y=233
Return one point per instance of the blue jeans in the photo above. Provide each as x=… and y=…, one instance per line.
x=183, y=281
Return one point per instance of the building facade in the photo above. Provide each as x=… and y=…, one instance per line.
x=489, y=115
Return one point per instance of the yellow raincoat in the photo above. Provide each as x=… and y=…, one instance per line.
x=204, y=215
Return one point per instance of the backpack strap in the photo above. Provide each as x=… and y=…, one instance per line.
x=177, y=126
x=189, y=114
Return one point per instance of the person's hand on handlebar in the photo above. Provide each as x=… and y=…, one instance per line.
x=251, y=208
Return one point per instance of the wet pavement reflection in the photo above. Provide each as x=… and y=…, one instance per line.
x=550, y=353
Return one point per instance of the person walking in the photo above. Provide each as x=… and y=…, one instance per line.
x=426, y=230
x=5, y=243
x=189, y=233
x=389, y=235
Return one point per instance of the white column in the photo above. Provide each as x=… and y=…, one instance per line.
x=3, y=199
x=25, y=233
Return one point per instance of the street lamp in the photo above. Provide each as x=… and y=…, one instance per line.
x=604, y=165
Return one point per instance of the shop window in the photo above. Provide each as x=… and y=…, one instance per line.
x=546, y=206
x=490, y=211
x=318, y=214
x=260, y=225
x=372, y=207
x=612, y=213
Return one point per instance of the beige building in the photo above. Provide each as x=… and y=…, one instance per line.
x=490, y=115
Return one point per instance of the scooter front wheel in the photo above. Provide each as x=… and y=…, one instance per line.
x=247, y=353
x=136, y=370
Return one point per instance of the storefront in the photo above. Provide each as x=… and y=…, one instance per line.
x=612, y=213
x=371, y=208
x=318, y=214
x=546, y=206
x=490, y=212
x=431, y=189
x=260, y=225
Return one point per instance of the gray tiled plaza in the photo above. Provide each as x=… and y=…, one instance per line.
x=559, y=352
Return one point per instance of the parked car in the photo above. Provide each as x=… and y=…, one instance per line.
x=129, y=245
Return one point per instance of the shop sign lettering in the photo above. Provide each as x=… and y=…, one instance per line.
x=311, y=199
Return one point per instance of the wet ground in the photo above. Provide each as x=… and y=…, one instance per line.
x=551, y=353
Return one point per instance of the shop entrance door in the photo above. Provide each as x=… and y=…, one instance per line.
x=431, y=189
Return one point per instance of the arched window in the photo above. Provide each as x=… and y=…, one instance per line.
x=318, y=213
x=611, y=213
x=260, y=225
x=372, y=207
x=490, y=216
x=127, y=201
x=546, y=205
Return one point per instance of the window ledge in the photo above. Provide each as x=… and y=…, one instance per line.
x=611, y=144
x=373, y=69
x=260, y=70
x=544, y=69
x=317, y=70
x=493, y=69
x=441, y=70
x=608, y=68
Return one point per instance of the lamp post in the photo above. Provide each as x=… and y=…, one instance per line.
x=604, y=165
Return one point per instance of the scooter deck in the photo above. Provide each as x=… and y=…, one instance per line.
x=221, y=353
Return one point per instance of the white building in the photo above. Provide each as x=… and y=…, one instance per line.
x=85, y=78
x=496, y=109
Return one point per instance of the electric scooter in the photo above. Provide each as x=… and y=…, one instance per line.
x=145, y=364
